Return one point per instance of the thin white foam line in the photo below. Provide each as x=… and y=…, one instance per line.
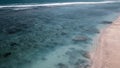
x=21, y=8
x=56, y=4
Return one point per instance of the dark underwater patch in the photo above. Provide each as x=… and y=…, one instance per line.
x=62, y=65
x=7, y=54
x=107, y=22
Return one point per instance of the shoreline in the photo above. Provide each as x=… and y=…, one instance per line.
x=103, y=54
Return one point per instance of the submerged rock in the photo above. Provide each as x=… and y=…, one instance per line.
x=85, y=54
x=15, y=28
x=61, y=65
x=106, y=22
x=63, y=33
x=80, y=38
x=82, y=64
x=43, y=58
x=13, y=44
x=92, y=30
x=12, y=30
x=7, y=54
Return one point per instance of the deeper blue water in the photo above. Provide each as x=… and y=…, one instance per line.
x=2, y=2
x=51, y=37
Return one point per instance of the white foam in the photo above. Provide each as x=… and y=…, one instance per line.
x=55, y=4
x=21, y=8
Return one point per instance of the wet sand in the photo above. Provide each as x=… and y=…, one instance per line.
x=106, y=54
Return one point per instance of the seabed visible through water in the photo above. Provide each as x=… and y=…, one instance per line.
x=51, y=37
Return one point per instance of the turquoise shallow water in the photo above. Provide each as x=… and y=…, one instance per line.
x=51, y=37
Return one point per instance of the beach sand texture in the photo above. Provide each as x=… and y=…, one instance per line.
x=107, y=54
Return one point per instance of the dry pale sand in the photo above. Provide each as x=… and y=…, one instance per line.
x=107, y=52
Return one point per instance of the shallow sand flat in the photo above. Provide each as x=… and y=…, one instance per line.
x=107, y=55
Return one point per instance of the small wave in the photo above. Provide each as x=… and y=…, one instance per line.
x=21, y=8
x=55, y=4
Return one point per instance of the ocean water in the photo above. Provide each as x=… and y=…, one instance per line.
x=51, y=36
x=2, y=2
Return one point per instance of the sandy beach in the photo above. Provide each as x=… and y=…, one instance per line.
x=106, y=54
